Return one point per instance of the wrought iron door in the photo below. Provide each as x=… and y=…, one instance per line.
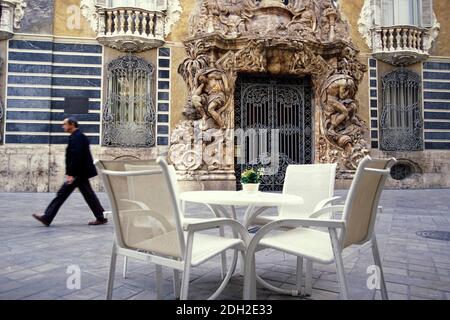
x=274, y=117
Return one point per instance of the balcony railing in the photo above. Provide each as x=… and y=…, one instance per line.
x=130, y=29
x=401, y=45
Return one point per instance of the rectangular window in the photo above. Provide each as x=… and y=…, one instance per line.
x=401, y=120
x=129, y=115
x=401, y=12
x=144, y=4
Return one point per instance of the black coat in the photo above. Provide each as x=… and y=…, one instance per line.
x=79, y=162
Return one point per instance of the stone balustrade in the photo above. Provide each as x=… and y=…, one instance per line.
x=401, y=45
x=130, y=29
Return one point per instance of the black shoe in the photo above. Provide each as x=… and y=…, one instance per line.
x=98, y=222
x=41, y=219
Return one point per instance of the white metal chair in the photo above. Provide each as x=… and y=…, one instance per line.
x=166, y=241
x=355, y=227
x=122, y=164
x=133, y=164
x=313, y=182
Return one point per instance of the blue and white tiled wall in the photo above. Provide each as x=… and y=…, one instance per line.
x=163, y=97
x=373, y=102
x=40, y=74
x=436, y=86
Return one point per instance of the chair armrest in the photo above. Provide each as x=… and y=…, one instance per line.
x=325, y=210
x=382, y=171
x=140, y=204
x=294, y=223
x=146, y=213
x=205, y=224
x=248, y=220
x=192, y=227
x=326, y=202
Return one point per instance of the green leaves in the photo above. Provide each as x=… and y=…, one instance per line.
x=251, y=176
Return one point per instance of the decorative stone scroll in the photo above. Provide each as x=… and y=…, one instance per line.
x=303, y=38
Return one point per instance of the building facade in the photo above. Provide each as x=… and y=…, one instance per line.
x=217, y=86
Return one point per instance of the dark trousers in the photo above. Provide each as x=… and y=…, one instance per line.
x=65, y=191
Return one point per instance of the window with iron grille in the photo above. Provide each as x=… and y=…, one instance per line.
x=401, y=123
x=129, y=114
x=1, y=110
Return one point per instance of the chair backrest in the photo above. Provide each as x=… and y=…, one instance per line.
x=154, y=200
x=313, y=182
x=361, y=205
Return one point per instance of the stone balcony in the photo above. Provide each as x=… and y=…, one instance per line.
x=11, y=13
x=130, y=29
x=401, y=45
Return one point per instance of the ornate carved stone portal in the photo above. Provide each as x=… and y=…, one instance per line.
x=302, y=38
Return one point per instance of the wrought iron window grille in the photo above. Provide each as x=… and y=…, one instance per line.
x=129, y=114
x=401, y=123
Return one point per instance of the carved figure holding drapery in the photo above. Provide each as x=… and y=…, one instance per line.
x=211, y=94
x=340, y=106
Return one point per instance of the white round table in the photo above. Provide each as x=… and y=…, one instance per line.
x=217, y=200
x=255, y=202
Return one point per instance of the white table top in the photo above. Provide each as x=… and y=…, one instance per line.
x=241, y=198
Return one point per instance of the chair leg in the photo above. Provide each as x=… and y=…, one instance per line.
x=299, y=275
x=125, y=266
x=339, y=264
x=309, y=277
x=377, y=259
x=223, y=256
x=233, y=212
x=185, y=282
x=176, y=283
x=159, y=282
x=250, y=277
x=112, y=272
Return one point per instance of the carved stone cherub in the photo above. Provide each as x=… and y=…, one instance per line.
x=233, y=24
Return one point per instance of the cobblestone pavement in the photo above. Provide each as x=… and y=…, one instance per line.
x=34, y=260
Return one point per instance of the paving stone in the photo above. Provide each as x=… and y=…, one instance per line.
x=423, y=275
x=397, y=296
x=397, y=288
x=397, y=271
x=84, y=294
x=426, y=293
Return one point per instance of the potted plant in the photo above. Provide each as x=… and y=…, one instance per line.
x=250, y=180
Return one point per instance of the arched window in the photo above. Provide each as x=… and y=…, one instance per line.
x=129, y=115
x=401, y=118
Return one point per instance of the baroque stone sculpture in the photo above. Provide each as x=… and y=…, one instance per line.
x=302, y=38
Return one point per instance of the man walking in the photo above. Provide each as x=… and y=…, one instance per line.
x=79, y=169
